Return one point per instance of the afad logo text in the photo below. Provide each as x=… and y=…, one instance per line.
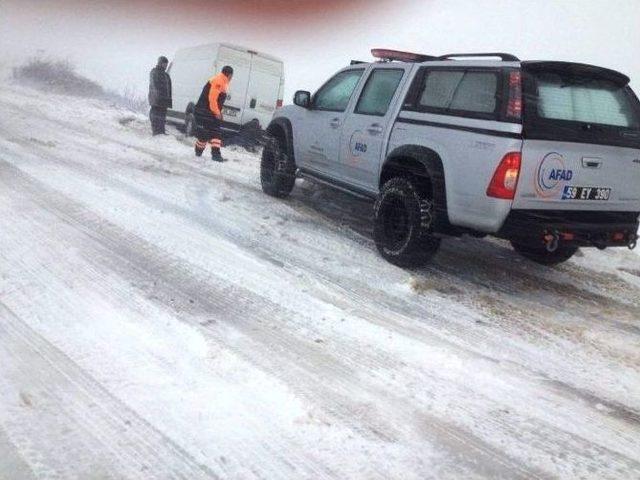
x=551, y=175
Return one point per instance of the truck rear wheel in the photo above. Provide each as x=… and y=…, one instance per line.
x=402, y=224
x=542, y=256
x=277, y=169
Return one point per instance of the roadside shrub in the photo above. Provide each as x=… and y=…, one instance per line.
x=129, y=98
x=59, y=76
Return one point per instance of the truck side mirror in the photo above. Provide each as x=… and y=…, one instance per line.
x=302, y=98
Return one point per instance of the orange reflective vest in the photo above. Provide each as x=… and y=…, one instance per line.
x=218, y=87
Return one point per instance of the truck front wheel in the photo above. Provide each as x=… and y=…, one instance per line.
x=277, y=168
x=542, y=256
x=402, y=224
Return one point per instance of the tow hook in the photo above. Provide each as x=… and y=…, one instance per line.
x=633, y=239
x=551, y=241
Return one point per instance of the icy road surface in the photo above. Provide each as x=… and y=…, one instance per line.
x=161, y=318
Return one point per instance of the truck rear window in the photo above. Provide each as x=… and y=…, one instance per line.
x=585, y=100
x=580, y=108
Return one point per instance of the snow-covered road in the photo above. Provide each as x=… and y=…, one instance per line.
x=162, y=318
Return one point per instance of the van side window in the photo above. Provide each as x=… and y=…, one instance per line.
x=458, y=92
x=334, y=95
x=378, y=92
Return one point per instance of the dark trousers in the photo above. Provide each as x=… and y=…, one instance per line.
x=208, y=132
x=158, y=117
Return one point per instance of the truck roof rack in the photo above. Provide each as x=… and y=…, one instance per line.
x=357, y=62
x=505, y=57
x=387, y=55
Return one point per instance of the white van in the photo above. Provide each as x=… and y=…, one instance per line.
x=255, y=92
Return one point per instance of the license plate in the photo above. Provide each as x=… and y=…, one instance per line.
x=229, y=113
x=586, y=193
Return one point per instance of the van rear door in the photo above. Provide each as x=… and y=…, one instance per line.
x=581, y=147
x=240, y=60
x=263, y=91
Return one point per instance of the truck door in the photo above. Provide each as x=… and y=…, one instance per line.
x=366, y=128
x=319, y=140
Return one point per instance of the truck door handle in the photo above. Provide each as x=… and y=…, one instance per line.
x=591, y=162
x=375, y=129
x=335, y=123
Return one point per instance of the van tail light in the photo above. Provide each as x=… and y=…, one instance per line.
x=505, y=179
x=279, y=104
x=514, y=105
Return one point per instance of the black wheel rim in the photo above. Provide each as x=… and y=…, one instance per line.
x=395, y=223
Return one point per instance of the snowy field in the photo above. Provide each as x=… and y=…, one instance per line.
x=160, y=318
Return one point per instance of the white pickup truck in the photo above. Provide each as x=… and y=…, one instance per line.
x=545, y=154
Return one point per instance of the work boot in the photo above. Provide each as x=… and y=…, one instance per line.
x=199, y=148
x=216, y=156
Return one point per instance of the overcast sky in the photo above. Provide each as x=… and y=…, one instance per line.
x=117, y=42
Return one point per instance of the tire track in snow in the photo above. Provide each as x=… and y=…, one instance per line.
x=66, y=425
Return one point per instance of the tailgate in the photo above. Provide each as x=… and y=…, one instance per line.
x=556, y=175
x=581, y=148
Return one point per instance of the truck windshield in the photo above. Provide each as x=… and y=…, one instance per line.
x=582, y=108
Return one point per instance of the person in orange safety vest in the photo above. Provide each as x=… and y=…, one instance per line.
x=208, y=113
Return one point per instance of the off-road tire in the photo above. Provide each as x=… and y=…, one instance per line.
x=402, y=225
x=277, y=168
x=542, y=256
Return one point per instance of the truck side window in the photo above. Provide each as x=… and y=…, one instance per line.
x=334, y=96
x=378, y=92
x=458, y=92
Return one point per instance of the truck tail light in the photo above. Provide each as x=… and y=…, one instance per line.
x=279, y=104
x=514, y=105
x=505, y=179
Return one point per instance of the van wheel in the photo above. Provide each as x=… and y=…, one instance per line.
x=277, y=169
x=190, y=125
x=403, y=221
x=249, y=136
x=542, y=256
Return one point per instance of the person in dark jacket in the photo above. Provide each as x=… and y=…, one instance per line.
x=159, y=96
x=208, y=113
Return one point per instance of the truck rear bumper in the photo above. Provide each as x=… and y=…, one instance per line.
x=575, y=228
